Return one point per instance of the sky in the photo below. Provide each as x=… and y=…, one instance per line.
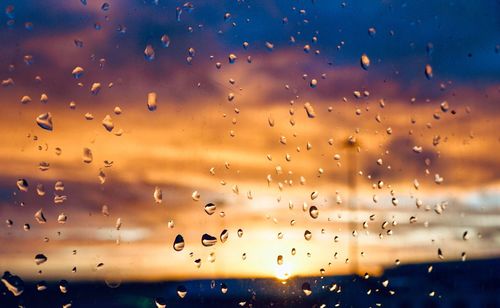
x=419, y=175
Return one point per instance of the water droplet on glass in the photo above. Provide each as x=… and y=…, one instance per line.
x=41, y=286
x=22, y=185
x=62, y=218
x=77, y=72
x=313, y=212
x=279, y=260
x=195, y=195
x=25, y=99
x=95, y=88
x=149, y=53
x=210, y=208
x=208, y=240
x=59, y=186
x=314, y=195
x=306, y=288
x=45, y=121
x=165, y=40
x=39, y=217
x=40, y=258
x=170, y=224
x=307, y=235
x=181, y=291
x=63, y=286
x=105, y=210
x=107, y=122
x=40, y=190
x=158, y=195
x=152, y=105
x=240, y=233
x=118, y=224
x=309, y=110
x=105, y=6
x=465, y=235
x=179, y=243
x=160, y=302
x=428, y=71
x=224, y=236
x=13, y=283
x=364, y=61
x=87, y=155
x=223, y=288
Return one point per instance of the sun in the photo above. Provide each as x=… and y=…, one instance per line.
x=283, y=272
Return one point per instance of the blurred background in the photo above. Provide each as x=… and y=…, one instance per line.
x=250, y=153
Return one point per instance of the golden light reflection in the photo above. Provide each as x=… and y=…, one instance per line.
x=284, y=272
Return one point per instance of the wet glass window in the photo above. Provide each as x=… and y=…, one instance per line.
x=249, y=153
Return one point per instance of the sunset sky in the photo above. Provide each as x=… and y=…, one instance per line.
x=238, y=135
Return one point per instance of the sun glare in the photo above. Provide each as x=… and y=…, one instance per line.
x=283, y=272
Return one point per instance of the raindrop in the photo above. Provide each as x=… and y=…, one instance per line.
x=314, y=195
x=40, y=258
x=364, y=61
x=165, y=40
x=208, y=240
x=105, y=6
x=95, y=88
x=118, y=224
x=269, y=46
x=210, y=208
x=307, y=235
x=63, y=286
x=181, y=291
x=160, y=302
x=25, y=99
x=306, y=288
x=428, y=71
x=224, y=236
x=149, y=53
x=43, y=166
x=39, y=217
x=279, y=260
x=157, y=195
x=13, y=283
x=41, y=286
x=232, y=58
x=223, y=288
x=77, y=72
x=22, y=185
x=44, y=98
x=152, y=104
x=45, y=121
x=465, y=235
x=87, y=155
x=59, y=186
x=313, y=212
x=195, y=195
x=240, y=233
x=107, y=122
x=309, y=110
x=440, y=254
x=62, y=218
x=179, y=243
